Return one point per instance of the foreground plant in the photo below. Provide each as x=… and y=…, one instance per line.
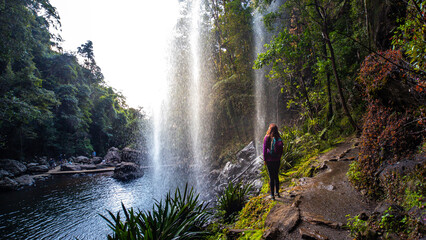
x=181, y=216
x=232, y=200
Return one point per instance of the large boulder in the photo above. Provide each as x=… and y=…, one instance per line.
x=88, y=166
x=4, y=173
x=82, y=159
x=127, y=171
x=281, y=220
x=246, y=170
x=70, y=167
x=35, y=168
x=113, y=155
x=130, y=155
x=8, y=184
x=14, y=167
x=43, y=161
x=401, y=168
x=25, y=180
x=96, y=160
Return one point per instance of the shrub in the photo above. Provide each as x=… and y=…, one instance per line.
x=394, y=123
x=180, y=216
x=357, y=226
x=232, y=201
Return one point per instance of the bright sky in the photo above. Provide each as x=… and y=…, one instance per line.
x=129, y=40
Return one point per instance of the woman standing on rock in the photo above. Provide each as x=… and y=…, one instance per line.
x=272, y=151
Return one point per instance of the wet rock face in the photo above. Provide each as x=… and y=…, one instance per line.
x=15, y=168
x=246, y=169
x=126, y=171
x=113, y=155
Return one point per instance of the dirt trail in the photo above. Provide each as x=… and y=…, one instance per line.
x=316, y=207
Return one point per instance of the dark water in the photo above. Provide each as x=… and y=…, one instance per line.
x=68, y=207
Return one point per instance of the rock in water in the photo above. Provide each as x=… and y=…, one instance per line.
x=70, y=167
x=8, y=184
x=14, y=167
x=130, y=155
x=127, y=171
x=88, y=166
x=82, y=159
x=25, y=180
x=113, y=155
x=34, y=169
x=96, y=160
x=4, y=173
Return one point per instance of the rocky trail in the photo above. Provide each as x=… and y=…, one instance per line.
x=316, y=208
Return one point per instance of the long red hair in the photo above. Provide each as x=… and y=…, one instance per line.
x=273, y=131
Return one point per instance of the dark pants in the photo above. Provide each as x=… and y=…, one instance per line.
x=274, y=182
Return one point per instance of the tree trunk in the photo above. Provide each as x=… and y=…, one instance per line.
x=330, y=102
x=305, y=92
x=322, y=14
x=338, y=82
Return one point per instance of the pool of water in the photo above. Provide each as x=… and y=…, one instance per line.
x=68, y=207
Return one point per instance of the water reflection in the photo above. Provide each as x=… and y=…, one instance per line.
x=69, y=207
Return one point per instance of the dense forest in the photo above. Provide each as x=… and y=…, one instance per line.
x=54, y=102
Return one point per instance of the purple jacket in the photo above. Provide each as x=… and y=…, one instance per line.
x=266, y=150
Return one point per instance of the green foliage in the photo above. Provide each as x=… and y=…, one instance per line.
x=232, y=98
x=179, y=216
x=232, y=201
x=49, y=102
x=354, y=173
x=356, y=226
x=411, y=34
x=392, y=223
x=254, y=213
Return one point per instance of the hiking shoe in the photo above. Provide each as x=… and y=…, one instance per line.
x=278, y=195
x=272, y=197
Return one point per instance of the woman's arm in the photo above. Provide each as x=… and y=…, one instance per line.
x=265, y=148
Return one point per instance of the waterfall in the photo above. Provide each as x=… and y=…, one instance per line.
x=196, y=93
x=267, y=94
x=181, y=121
x=260, y=84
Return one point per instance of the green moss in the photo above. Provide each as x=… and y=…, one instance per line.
x=254, y=213
x=251, y=235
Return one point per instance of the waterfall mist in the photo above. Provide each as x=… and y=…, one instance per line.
x=268, y=96
x=181, y=120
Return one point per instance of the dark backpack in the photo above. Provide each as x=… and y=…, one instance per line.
x=272, y=150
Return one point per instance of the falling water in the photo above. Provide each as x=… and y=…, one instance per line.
x=267, y=93
x=260, y=83
x=181, y=120
x=195, y=94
